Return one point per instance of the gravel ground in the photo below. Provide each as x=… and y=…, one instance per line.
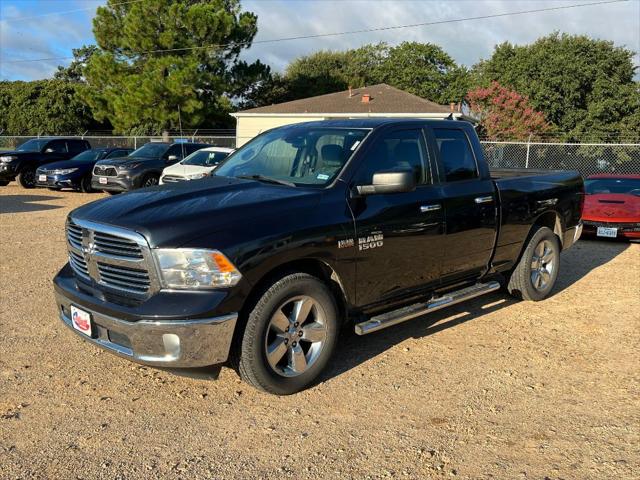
x=489, y=389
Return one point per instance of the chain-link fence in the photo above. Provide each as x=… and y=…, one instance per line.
x=586, y=158
x=12, y=142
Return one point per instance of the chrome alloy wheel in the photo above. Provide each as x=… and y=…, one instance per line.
x=542, y=265
x=295, y=336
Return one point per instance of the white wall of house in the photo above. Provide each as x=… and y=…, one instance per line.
x=248, y=125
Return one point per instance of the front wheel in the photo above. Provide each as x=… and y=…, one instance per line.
x=150, y=181
x=27, y=177
x=85, y=184
x=290, y=335
x=537, y=271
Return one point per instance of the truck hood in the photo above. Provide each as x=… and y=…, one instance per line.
x=171, y=215
x=612, y=207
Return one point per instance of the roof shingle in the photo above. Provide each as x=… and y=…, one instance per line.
x=384, y=99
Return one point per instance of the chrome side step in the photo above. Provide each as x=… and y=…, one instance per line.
x=412, y=311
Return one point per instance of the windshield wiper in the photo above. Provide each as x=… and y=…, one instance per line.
x=262, y=178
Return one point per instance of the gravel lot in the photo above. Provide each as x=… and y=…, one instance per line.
x=489, y=389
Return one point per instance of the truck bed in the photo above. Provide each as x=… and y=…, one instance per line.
x=498, y=173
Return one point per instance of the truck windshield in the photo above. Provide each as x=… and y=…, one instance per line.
x=301, y=155
x=150, y=150
x=34, y=145
x=203, y=158
x=612, y=185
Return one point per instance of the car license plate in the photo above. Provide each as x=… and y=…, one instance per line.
x=42, y=178
x=607, y=232
x=81, y=320
x=103, y=180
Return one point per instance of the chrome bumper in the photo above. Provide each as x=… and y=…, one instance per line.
x=174, y=343
x=572, y=235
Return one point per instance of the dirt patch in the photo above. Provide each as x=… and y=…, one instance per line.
x=489, y=389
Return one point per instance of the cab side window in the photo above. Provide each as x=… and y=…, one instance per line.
x=175, y=150
x=57, y=146
x=456, y=156
x=76, y=146
x=398, y=150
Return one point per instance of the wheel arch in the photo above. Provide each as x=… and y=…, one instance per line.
x=550, y=219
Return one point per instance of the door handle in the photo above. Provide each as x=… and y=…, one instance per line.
x=484, y=199
x=430, y=208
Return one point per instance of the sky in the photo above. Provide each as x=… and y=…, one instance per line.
x=33, y=29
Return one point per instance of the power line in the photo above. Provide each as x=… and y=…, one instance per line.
x=13, y=19
x=352, y=32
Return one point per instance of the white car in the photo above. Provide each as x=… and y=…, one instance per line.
x=197, y=165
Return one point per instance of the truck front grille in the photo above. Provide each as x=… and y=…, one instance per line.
x=113, y=259
x=105, y=171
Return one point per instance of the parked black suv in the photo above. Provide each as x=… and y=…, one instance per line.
x=142, y=168
x=24, y=161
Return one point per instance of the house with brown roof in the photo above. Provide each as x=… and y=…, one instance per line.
x=380, y=100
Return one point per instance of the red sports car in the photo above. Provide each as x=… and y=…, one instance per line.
x=612, y=206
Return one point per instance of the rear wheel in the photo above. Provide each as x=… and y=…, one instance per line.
x=27, y=177
x=85, y=184
x=290, y=335
x=537, y=271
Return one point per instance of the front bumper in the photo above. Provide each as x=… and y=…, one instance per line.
x=162, y=343
x=122, y=183
x=57, y=181
x=8, y=172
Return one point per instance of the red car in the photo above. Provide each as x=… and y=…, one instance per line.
x=612, y=206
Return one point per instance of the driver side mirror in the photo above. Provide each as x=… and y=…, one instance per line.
x=49, y=150
x=172, y=158
x=400, y=181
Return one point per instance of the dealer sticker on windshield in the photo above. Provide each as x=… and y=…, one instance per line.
x=607, y=232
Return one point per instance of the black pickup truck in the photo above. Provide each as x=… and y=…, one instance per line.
x=303, y=230
x=23, y=162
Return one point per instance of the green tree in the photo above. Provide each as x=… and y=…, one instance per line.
x=44, y=107
x=74, y=72
x=423, y=69
x=583, y=86
x=156, y=57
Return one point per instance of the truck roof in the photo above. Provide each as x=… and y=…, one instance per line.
x=377, y=122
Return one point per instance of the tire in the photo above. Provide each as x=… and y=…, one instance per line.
x=4, y=183
x=295, y=361
x=150, y=180
x=537, y=271
x=27, y=177
x=85, y=184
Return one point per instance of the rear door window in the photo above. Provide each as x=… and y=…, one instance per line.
x=456, y=156
x=76, y=146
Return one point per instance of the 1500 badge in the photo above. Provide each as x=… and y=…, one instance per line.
x=372, y=241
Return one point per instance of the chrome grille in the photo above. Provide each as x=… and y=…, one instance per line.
x=74, y=235
x=105, y=171
x=129, y=279
x=78, y=264
x=114, y=245
x=111, y=258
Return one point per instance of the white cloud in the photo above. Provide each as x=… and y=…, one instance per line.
x=467, y=42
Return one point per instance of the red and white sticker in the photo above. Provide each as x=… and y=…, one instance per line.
x=81, y=320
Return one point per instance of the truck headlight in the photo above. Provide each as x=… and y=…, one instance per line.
x=187, y=268
x=7, y=158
